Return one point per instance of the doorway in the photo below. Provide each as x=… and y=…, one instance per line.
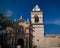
x=20, y=43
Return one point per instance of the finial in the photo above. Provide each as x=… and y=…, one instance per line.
x=20, y=17
x=27, y=20
x=14, y=20
x=36, y=5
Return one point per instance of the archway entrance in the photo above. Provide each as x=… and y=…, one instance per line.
x=20, y=43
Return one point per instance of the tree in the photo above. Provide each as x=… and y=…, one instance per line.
x=7, y=23
x=4, y=21
x=1, y=19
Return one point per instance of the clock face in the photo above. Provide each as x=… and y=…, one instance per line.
x=20, y=23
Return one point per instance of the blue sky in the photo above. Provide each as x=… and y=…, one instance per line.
x=51, y=12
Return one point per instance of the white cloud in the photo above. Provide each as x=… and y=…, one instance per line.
x=57, y=22
x=9, y=13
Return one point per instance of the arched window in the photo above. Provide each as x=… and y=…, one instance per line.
x=36, y=19
x=20, y=29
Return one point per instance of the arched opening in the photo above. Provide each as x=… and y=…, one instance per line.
x=20, y=43
x=20, y=30
x=36, y=19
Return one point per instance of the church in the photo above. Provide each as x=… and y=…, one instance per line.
x=25, y=34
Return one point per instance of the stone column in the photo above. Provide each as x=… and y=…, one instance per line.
x=24, y=43
x=27, y=42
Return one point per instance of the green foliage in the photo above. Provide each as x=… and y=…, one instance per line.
x=4, y=21
x=1, y=18
x=7, y=17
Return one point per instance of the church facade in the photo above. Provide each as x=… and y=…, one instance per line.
x=24, y=34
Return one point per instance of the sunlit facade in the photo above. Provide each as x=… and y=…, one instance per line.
x=25, y=34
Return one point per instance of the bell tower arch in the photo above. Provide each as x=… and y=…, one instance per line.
x=36, y=19
x=36, y=15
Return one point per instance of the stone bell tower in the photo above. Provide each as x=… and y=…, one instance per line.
x=38, y=26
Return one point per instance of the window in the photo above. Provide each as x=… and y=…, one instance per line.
x=36, y=19
x=37, y=39
x=20, y=30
